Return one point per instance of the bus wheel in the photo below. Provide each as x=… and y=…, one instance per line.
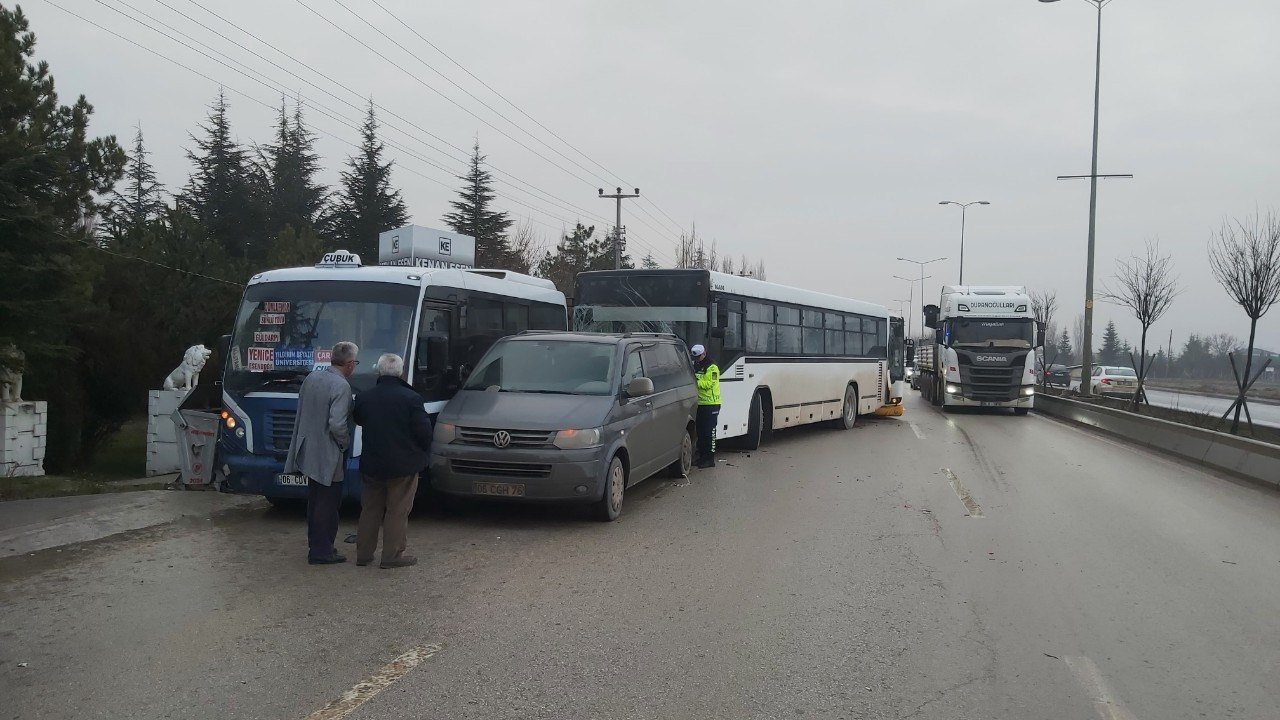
x=755, y=424
x=849, y=414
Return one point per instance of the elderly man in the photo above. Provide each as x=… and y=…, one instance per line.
x=318, y=449
x=397, y=446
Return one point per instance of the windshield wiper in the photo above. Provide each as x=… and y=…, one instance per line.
x=282, y=377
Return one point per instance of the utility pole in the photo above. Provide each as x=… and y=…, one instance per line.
x=618, y=196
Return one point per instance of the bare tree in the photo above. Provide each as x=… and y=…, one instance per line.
x=726, y=265
x=527, y=248
x=1147, y=286
x=1077, y=334
x=1044, y=305
x=1222, y=344
x=1245, y=259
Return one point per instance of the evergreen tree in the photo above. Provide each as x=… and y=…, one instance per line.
x=225, y=192
x=141, y=201
x=473, y=215
x=1110, y=353
x=576, y=253
x=367, y=205
x=52, y=170
x=1064, y=346
x=648, y=263
x=290, y=165
x=295, y=248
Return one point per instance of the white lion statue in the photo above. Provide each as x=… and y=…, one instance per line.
x=11, y=377
x=187, y=375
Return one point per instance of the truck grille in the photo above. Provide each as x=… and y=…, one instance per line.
x=280, y=429
x=991, y=384
x=500, y=469
x=519, y=438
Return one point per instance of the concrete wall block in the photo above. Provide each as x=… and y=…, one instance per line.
x=37, y=453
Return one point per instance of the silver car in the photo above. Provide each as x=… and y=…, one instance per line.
x=568, y=417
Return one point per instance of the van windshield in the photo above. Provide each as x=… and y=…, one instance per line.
x=561, y=367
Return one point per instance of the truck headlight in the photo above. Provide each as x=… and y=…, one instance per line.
x=578, y=439
x=1028, y=391
x=444, y=433
x=952, y=390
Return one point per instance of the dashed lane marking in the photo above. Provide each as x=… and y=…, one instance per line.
x=1104, y=699
x=365, y=690
x=916, y=429
x=963, y=493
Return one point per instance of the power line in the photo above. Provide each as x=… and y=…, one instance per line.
x=521, y=110
x=555, y=200
x=99, y=248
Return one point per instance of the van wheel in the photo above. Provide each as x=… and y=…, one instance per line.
x=849, y=413
x=680, y=468
x=609, y=507
x=755, y=424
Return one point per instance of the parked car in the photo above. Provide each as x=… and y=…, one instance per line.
x=1058, y=375
x=568, y=417
x=1108, y=380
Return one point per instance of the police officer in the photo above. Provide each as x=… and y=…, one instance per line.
x=708, y=405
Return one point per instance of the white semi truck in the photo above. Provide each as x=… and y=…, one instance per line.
x=983, y=351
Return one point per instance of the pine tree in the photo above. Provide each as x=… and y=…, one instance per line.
x=52, y=172
x=367, y=205
x=290, y=165
x=1064, y=346
x=295, y=248
x=1110, y=353
x=140, y=203
x=225, y=192
x=576, y=253
x=648, y=263
x=473, y=214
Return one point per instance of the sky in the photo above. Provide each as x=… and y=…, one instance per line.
x=819, y=136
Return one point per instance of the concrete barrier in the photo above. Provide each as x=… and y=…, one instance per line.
x=1249, y=459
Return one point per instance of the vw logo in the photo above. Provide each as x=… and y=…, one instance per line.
x=501, y=439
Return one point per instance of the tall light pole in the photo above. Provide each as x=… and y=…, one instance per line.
x=1086, y=351
x=619, y=196
x=922, y=263
x=911, y=295
x=963, y=207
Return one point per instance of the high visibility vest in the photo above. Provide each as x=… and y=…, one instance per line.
x=709, y=385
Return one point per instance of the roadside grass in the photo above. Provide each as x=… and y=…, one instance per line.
x=118, y=467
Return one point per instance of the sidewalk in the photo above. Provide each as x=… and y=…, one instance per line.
x=30, y=525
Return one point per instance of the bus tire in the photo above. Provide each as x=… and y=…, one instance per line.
x=849, y=412
x=755, y=423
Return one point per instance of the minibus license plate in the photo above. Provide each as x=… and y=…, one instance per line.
x=291, y=479
x=501, y=489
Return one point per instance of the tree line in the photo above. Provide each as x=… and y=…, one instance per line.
x=109, y=275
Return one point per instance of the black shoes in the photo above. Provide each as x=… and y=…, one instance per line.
x=333, y=559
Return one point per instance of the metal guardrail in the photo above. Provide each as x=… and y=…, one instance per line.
x=1242, y=457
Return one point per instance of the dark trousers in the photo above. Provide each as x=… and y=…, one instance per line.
x=708, y=418
x=323, y=503
x=385, y=503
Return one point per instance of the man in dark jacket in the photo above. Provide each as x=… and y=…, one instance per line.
x=397, y=446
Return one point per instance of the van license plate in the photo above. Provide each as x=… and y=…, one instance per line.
x=500, y=489
x=291, y=479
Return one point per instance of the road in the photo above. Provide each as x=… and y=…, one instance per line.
x=928, y=566
x=1263, y=414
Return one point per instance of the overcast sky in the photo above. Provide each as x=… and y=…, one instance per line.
x=818, y=136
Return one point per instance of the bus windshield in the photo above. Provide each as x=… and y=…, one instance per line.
x=674, y=303
x=284, y=330
x=989, y=333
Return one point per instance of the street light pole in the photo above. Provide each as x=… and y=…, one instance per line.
x=922, y=279
x=963, y=208
x=911, y=299
x=1086, y=350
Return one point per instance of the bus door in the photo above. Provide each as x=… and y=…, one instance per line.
x=434, y=375
x=897, y=354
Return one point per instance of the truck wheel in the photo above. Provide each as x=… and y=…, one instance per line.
x=755, y=424
x=935, y=393
x=609, y=507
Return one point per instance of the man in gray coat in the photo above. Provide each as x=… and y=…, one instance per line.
x=321, y=436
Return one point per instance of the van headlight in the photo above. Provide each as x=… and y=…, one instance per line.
x=578, y=439
x=444, y=433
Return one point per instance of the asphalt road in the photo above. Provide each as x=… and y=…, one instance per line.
x=1263, y=414
x=929, y=566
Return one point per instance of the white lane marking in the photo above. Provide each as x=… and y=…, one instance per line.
x=1090, y=678
x=961, y=492
x=364, y=691
x=916, y=429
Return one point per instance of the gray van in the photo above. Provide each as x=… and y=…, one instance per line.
x=568, y=417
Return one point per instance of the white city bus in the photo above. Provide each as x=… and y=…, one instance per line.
x=787, y=356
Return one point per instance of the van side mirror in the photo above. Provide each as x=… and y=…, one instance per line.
x=716, y=332
x=639, y=387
